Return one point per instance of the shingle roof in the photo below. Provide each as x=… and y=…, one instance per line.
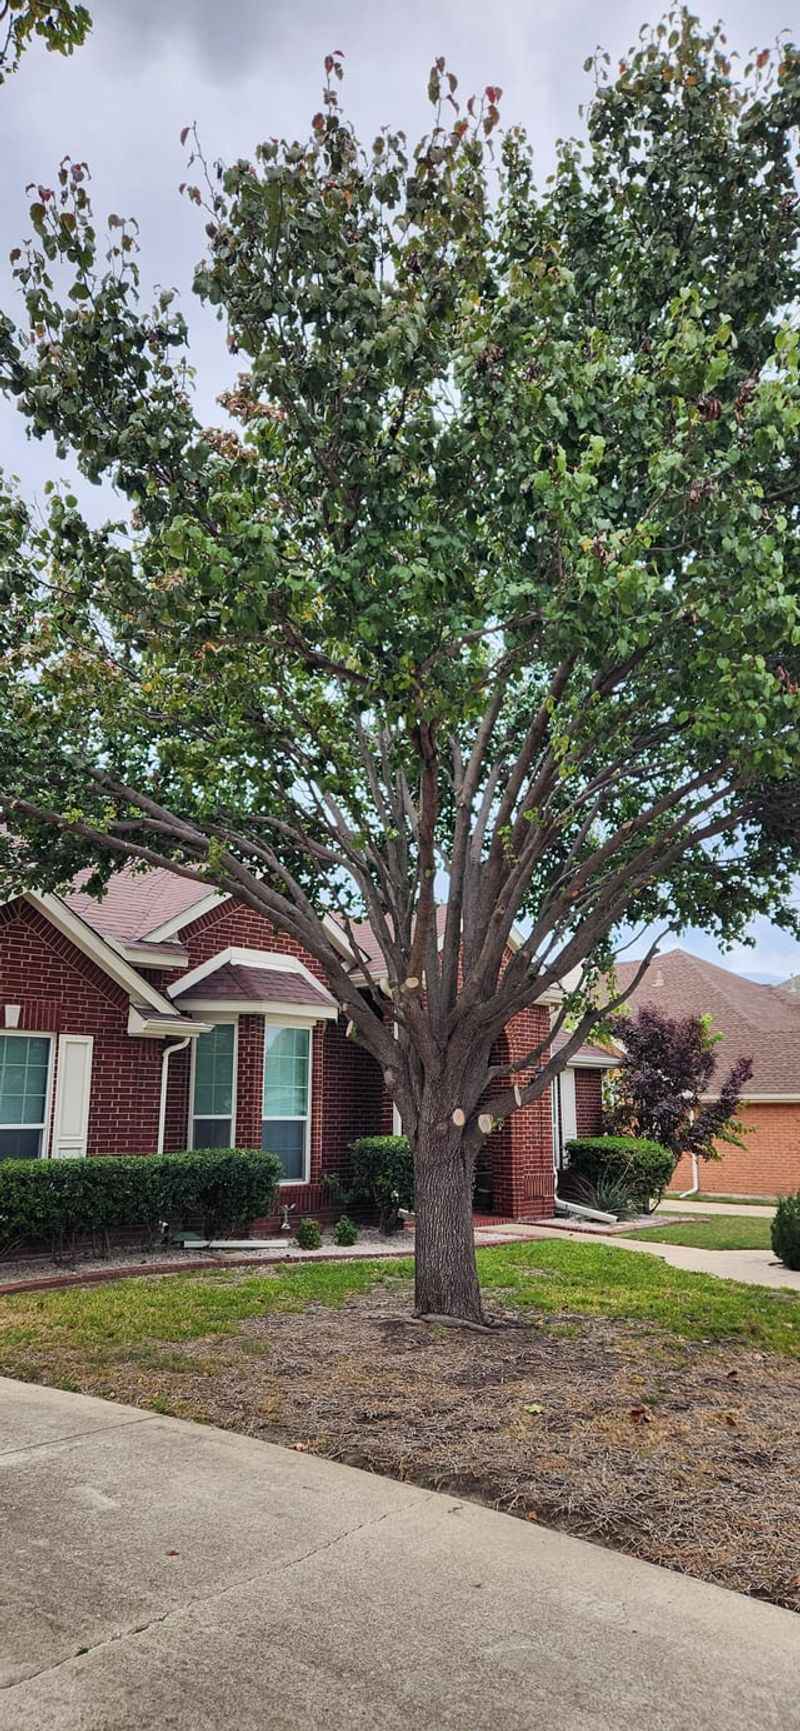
x=367, y=941
x=758, y=1022
x=255, y=985
x=135, y=903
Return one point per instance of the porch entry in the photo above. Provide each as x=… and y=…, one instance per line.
x=565, y=1117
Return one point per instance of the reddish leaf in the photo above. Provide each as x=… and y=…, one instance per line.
x=640, y=1415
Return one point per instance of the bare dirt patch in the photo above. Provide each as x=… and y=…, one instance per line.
x=679, y=1452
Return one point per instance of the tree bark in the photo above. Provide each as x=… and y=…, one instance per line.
x=446, y=1273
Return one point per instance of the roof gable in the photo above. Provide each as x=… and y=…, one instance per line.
x=253, y=979
x=100, y=951
x=756, y=1021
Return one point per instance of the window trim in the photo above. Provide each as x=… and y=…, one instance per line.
x=46, y=1126
x=308, y=1023
x=221, y=1021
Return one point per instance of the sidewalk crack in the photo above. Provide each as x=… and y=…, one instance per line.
x=262, y=1573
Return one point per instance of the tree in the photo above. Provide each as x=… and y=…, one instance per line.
x=488, y=588
x=60, y=25
x=661, y=1088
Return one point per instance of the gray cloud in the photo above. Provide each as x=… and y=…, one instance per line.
x=223, y=39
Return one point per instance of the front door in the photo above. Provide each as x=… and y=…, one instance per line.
x=73, y=1093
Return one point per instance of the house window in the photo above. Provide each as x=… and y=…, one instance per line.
x=24, y=1073
x=286, y=1113
x=213, y=1092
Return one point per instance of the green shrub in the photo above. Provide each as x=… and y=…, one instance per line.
x=309, y=1234
x=59, y=1200
x=382, y=1177
x=786, y=1231
x=643, y=1169
x=233, y=1186
x=345, y=1231
x=610, y=1195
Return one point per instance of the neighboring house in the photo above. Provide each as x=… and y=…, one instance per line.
x=168, y=1016
x=758, y=1022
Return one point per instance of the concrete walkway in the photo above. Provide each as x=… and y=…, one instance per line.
x=752, y=1267
x=162, y=1575
x=755, y=1211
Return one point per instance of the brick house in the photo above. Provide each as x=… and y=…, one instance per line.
x=756, y=1021
x=166, y=1016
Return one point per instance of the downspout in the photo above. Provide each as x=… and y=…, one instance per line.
x=695, y=1172
x=695, y=1181
x=169, y=1052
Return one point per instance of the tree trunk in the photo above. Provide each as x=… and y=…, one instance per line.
x=446, y=1274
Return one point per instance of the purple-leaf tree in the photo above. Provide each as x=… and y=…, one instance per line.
x=666, y=1090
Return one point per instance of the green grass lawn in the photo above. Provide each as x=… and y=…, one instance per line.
x=712, y=1232
x=41, y=1331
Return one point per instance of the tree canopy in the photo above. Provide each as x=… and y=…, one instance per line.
x=60, y=25
x=486, y=587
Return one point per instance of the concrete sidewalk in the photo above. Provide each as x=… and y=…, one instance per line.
x=162, y=1574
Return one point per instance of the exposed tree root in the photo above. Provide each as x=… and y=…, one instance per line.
x=492, y=1325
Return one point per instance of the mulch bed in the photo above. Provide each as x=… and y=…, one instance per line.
x=682, y=1453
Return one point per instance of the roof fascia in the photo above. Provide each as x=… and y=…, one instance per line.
x=143, y=1026
x=290, y=1013
x=168, y=928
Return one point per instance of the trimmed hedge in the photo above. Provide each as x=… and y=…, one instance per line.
x=382, y=1177
x=642, y=1168
x=785, y=1231
x=59, y=1199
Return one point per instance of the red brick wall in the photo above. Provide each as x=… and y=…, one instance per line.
x=60, y=990
x=231, y=924
x=521, y=1150
x=589, y=1102
x=767, y=1165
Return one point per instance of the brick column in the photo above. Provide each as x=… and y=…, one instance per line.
x=249, y=1082
x=521, y=1150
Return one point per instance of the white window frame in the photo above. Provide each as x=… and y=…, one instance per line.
x=216, y=1022
x=46, y=1126
x=275, y=1021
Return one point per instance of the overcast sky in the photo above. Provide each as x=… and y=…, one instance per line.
x=248, y=69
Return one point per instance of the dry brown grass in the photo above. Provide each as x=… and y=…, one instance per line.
x=683, y=1453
